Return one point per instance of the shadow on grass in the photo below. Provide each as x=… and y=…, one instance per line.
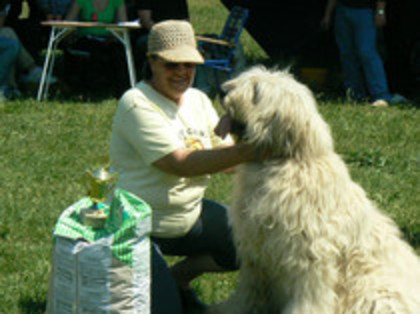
x=413, y=237
x=30, y=306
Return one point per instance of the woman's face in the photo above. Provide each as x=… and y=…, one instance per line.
x=171, y=79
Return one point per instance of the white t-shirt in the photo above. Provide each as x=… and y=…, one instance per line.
x=148, y=126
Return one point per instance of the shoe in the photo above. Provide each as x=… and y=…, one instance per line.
x=34, y=76
x=379, y=103
x=398, y=99
x=11, y=93
x=191, y=304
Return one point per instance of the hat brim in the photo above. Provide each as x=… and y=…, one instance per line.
x=180, y=55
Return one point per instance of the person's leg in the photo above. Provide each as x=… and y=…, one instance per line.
x=373, y=68
x=192, y=267
x=33, y=35
x=9, y=50
x=165, y=297
x=350, y=63
x=25, y=63
x=24, y=58
x=208, y=247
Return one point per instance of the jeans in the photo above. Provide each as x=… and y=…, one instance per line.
x=363, y=69
x=9, y=50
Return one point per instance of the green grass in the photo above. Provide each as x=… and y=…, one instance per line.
x=45, y=149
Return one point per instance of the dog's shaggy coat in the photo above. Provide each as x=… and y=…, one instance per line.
x=308, y=238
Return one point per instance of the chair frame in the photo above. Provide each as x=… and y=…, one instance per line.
x=229, y=39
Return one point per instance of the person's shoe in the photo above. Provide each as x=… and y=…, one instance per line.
x=12, y=93
x=190, y=302
x=34, y=76
x=398, y=99
x=379, y=103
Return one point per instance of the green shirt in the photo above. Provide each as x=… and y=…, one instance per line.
x=89, y=14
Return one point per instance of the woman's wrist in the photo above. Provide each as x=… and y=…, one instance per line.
x=380, y=12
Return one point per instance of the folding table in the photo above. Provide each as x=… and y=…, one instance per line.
x=60, y=29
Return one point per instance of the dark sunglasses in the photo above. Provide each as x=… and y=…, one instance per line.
x=174, y=65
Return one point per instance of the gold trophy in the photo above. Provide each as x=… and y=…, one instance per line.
x=101, y=184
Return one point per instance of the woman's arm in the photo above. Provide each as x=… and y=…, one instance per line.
x=329, y=9
x=121, y=14
x=145, y=17
x=380, y=17
x=190, y=163
x=73, y=13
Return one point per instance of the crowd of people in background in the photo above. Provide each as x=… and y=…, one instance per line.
x=18, y=64
x=364, y=77
x=21, y=51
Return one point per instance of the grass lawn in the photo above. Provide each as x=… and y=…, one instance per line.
x=45, y=149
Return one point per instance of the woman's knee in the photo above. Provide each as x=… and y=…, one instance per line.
x=8, y=32
x=11, y=48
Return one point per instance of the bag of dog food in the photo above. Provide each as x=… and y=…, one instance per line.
x=103, y=269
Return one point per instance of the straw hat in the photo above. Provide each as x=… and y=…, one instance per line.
x=174, y=41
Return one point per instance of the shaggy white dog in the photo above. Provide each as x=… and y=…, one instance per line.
x=309, y=239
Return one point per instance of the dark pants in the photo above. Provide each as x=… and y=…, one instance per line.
x=165, y=296
x=210, y=235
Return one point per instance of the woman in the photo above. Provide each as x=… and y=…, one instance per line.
x=164, y=147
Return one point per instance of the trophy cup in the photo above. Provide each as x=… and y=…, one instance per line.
x=101, y=183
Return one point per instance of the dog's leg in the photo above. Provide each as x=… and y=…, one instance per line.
x=254, y=295
x=256, y=291
x=313, y=291
x=230, y=306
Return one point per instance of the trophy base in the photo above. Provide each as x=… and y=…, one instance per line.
x=95, y=218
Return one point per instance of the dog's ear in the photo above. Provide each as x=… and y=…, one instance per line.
x=263, y=121
x=272, y=124
x=287, y=122
x=257, y=93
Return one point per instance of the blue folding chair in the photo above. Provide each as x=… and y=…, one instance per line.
x=219, y=51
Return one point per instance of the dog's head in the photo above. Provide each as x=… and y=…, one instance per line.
x=273, y=110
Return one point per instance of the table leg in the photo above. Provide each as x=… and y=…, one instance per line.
x=125, y=40
x=46, y=64
x=129, y=56
x=55, y=38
